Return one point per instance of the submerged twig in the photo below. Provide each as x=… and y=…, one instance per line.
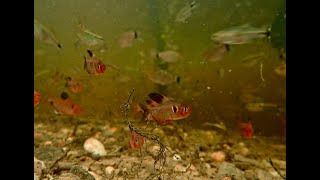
x=276, y=168
x=161, y=156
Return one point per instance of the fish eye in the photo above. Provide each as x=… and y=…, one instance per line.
x=186, y=109
x=99, y=66
x=174, y=109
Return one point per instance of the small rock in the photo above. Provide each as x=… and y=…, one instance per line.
x=95, y=175
x=94, y=147
x=81, y=173
x=218, y=156
x=263, y=175
x=179, y=168
x=109, y=170
x=49, y=154
x=176, y=157
x=66, y=176
x=38, y=168
x=229, y=169
x=250, y=174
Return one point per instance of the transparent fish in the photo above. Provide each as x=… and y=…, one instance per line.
x=170, y=56
x=281, y=70
x=162, y=77
x=45, y=35
x=252, y=60
x=185, y=12
x=216, y=53
x=126, y=39
x=89, y=39
x=258, y=107
x=240, y=34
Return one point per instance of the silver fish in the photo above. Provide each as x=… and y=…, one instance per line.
x=170, y=56
x=162, y=77
x=44, y=34
x=240, y=34
x=258, y=107
x=89, y=39
x=185, y=12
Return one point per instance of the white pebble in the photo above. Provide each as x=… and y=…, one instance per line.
x=109, y=170
x=176, y=157
x=94, y=147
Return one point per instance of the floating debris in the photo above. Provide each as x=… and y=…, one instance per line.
x=44, y=34
x=240, y=34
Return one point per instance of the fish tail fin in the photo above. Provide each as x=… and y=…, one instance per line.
x=268, y=32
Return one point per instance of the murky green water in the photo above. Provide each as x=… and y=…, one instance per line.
x=211, y=96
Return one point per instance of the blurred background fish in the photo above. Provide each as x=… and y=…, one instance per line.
x=44, y=34
x=240, y=34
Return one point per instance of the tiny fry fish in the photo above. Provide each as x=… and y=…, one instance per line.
x=136, y=141
x=36, y=98
x=64, y=105
x=164, y=110
x=247, y=129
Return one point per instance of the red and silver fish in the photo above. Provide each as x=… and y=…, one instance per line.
x=247, y=129
x=163, y=109
x=36, y=98
x=94, y=65
x=136, y=141
x=64, y=105
x=73, y=85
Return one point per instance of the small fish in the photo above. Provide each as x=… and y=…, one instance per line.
x=164, y=110
x=169, y=56
x=45, y=35
x=247, y=129
x=240, y=34
x=94, y=65
x=216, y=53
x=127, y=38
x=36, y=98
x=219, y=125
x=281, y=70
x=136, y=141
x=260, y=106
x=252, y=60
x=64, y=105
x=89, y=39
x=73, y=85
x=186, y=12
x=162, y=77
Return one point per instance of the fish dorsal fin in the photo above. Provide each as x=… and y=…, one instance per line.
x=90, y=53
x=158, y=98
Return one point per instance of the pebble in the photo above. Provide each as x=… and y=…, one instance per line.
x=94, y=147
x=218, y=156
x=176, y=157
x=109, y=170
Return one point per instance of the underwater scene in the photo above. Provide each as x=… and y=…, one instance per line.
x=160, y=89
